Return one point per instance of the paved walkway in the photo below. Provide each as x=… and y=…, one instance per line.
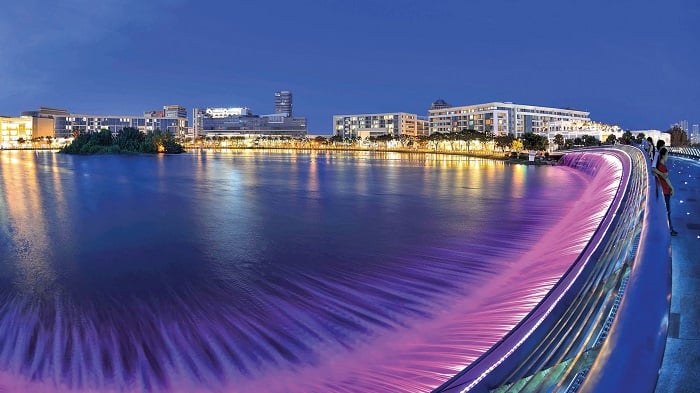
x=680, y=372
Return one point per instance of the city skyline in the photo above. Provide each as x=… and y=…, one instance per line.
x=629, y=63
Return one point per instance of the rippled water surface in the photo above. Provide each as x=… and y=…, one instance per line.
x=268, y=271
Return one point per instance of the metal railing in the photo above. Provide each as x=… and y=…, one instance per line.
x=604, y=329
x=690, y=152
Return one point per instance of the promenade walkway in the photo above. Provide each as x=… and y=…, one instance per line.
x=680, y=371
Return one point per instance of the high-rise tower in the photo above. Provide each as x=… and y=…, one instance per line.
x=283, y=103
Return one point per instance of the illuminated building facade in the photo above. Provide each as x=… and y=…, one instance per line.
x=654, y=134
x=683, y=125
x=240, y=121
x=500, y=118
x=16, y=130
x=174, y=112
x=211, y=122
x=283, y=103
x=572, y=129
x=375, y=124
x=172, y=118
x=220, y=113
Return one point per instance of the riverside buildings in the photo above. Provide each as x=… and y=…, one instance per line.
x=375, y=124
x=16, y=130
x=283, y=103
x=240, y=121
x=172, y=118
x=683, y=125
x=500, y=118
x=572, y=129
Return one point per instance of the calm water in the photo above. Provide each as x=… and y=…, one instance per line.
x=266, y=271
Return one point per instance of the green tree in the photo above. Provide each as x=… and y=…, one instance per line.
x=626, y=138
x=104, y=137
x=678, y=136
x=610, y=140
x=590, y=140
x=129, y=139
x=159, y=141
x=384, y=139
x=559, y=141
x=534, y=142
x=469, y=135
x=435, y=138
x=517, y=145
x=504, y=141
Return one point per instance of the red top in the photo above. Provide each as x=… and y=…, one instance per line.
x=664, y=185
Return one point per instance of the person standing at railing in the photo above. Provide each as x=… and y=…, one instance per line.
x=661, y=172
x=659, y=144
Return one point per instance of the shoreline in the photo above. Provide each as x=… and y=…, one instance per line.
x=501, y=156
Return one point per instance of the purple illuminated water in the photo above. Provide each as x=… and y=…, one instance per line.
x=275, y=272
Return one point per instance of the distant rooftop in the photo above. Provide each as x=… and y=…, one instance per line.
x=440, y=104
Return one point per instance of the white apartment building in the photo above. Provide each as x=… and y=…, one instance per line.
x=376, y=124
x=572, y=129
x=500, y=118
x=683, y=124
x=220, y=113
x=654, y=134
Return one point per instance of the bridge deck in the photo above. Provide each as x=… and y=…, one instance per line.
x=680, y=371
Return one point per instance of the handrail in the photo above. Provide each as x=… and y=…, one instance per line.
x=631, y=357
x=686, y=151
x=585, y=339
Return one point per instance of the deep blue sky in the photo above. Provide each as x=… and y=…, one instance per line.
x=632, y=63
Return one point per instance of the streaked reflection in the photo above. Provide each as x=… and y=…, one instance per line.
x=24, y=201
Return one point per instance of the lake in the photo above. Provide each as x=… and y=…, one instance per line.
x=276, y=271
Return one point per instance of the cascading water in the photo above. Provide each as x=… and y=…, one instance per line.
x=264, y=273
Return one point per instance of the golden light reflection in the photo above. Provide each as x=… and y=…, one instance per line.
x=60, y=205
x=312, y=183
x=25, y=211
x=519, y=176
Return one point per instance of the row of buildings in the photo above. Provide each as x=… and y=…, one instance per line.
x=242, y=121
x=693, y=133
x=498, y=118
x=60, y=124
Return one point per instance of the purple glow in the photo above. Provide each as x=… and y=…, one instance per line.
x=336, y=333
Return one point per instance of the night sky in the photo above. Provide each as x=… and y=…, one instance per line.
x=631, y=63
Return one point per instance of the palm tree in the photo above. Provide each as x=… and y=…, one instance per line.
x=435, y=139
x=559, y=141
x=469, y=135
x=505, y=141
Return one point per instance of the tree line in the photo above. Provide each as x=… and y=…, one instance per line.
x=127, y=140
x=527, y=141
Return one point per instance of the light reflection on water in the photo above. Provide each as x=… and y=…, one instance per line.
x=264, y=271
